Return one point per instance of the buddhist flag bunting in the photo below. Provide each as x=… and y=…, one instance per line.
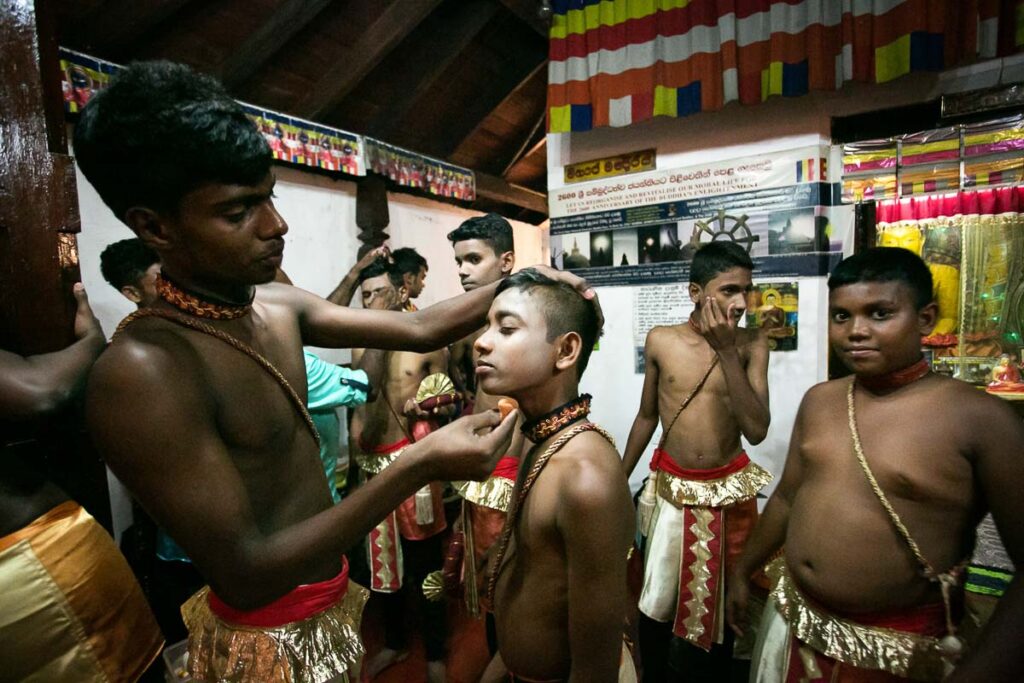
x=618, y=62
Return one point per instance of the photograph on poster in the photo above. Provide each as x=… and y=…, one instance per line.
x=669, y=244
x=773, y=307
x=797, y=231
x=601, y=249
x=624, y=244
x=649, y=244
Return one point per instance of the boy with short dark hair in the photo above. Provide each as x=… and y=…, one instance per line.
x=706, y=381
x=130, y=267
x=888, y=473
x=559, y=571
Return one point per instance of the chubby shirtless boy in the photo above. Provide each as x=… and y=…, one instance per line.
x=854, y=601
x=405, y=547
x=558, y=575
x=485, y=254
x=706, y=380
x=199, y=406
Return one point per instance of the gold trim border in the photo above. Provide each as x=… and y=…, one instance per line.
x=730, y=489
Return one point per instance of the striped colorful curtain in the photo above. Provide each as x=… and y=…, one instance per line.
x=617, y=62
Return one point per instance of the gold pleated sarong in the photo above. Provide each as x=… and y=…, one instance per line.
x=324, y=647
x=70, y=608
x=798, y=638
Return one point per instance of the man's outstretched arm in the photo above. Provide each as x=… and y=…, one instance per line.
x=35, y=385
x=646, y=420
x=326, y=325
x=177, y=465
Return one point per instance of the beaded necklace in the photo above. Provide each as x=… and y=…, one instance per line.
x=540, y=428
x=193, y=305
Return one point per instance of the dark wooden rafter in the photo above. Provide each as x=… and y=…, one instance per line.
x=527, y=11
x=444, y=49
x=498, y=189
x=390, y=28
x=530, y=143
x=115, y=28
x=290, y=17
x=476, y=112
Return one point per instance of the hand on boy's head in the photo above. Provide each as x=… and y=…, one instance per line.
x=577, y=283
x=718, y=327
x=85, y=320
x=470, y=447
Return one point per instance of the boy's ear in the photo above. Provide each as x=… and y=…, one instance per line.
x=696, y=293
x=131, y=293
x=927, y=317
x=568, y=347
x=148, y=225
x=508, y=262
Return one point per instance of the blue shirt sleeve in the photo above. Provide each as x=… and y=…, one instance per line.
x=331, y=386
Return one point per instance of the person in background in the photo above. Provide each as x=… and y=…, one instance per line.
x=70, y=609
x=413, y=268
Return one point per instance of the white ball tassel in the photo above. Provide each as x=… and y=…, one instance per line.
x=425, y=506
x=645, y=508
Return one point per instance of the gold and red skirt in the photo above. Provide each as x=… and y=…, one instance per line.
x=700, y=523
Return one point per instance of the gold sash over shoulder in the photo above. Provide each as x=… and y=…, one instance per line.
x=901, y=653
x=375, y=463
x=313, y=650
x=493, y=492
x=713, y=493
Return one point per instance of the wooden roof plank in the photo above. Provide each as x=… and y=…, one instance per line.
x=115, y=28
x=448, y=47
x=390, y=28
x=495, y=188
x=527, y=11
x=290, y=17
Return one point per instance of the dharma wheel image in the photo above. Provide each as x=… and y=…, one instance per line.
x=725, y=228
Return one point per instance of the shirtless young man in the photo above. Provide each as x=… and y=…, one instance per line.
x=130, y=267
x=218, y=450
x=485, y=253
x=413, y=268
x=404, y=548
x=942, y=453
x=701, y=476
x=70, y=609
x=559, y=570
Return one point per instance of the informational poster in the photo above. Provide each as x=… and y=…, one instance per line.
x=645, y=228
x=774, y=307
x=653, y=306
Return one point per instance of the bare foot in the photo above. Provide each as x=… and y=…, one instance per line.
x=435, y=672
x=382, y=660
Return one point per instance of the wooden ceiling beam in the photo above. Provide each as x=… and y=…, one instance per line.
x=477, y=111
x=114, y=29
x=498, y=189
x=527, y=11
x=528, y=146
x=290, y=17
x=444, y=48
x=390, y=28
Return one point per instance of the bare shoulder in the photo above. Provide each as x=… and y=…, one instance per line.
x=590, y=470
x=151, y=355
x=824, y=395
x=967, y=404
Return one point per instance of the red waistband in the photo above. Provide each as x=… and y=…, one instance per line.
x=925, y=620
x=385, y=449
x=664, y=462
x=508, y=468
x=301, y=603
